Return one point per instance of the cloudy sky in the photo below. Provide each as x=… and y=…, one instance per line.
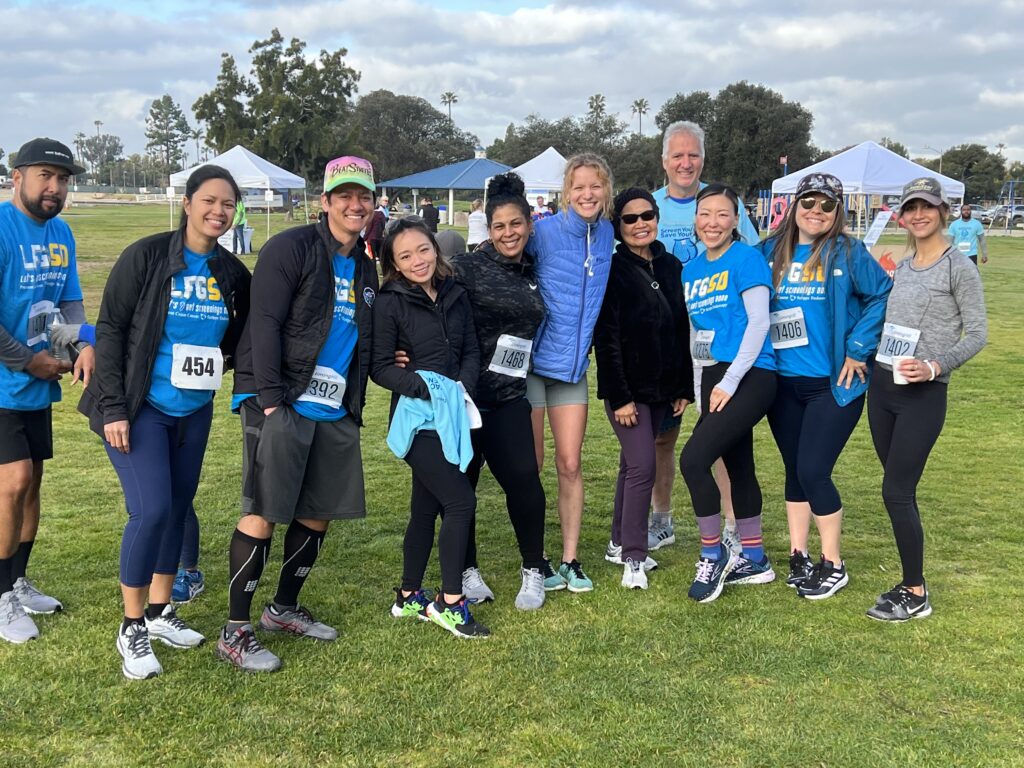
x=931, y=76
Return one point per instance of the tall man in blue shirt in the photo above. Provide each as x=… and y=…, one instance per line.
x=682, y=157
x=967, y=235
x=38, y=280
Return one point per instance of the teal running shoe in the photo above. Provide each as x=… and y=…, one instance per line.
x=575, y=579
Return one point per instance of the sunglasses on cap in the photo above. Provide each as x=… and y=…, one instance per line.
x=633, y=218
x=827, y=206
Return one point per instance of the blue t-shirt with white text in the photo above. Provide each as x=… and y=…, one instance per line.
x=800, y=289
x=37, y=274
x=196, y=315
x=714, y=299
x=964, y=235
x=676, y=230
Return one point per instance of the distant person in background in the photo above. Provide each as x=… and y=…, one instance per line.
x=967, y=234
x=477, y=224
x=375, y=231
x=382, y=206
x=430, y=215
x=238, y=224
x=541, y=209
x=552, y=209
x=451, y=243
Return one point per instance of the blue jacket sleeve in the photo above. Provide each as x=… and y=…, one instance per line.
x=871, y=286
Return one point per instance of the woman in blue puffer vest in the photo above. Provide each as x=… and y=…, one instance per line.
x=573, y=255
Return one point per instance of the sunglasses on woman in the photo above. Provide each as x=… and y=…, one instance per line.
x=827, y=206
x=633, y=218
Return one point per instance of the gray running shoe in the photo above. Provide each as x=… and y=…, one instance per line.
x=34, y=601
x=241, y=649
x=172, y=631
x=474, y=587
x=660, y=535
x=531, y=595
x=731, y=539
x=15, y=625
x=140, y=663
x=297, y=621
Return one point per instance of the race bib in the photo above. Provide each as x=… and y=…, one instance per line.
x=195, y=367
x=39, y=315
x=327, y=387
x=964, y=247
x=511, y=356
x=897, y=341
x=700, y=348
x=788, y=328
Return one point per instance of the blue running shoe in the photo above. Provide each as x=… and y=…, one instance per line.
x=575, y=579
x=747, y=571
x=188, y=585
x=553, y=580
x=710, y=578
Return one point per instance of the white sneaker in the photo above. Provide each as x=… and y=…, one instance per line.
x=172, y=631
x=531, y=595
x=34, y=601
x=633, y=575
x=613, y=554
x=140, y=663
x=731, y=540
x=16, y=626
x=474, y=588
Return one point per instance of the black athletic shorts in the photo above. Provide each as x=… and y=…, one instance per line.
x=25, y=435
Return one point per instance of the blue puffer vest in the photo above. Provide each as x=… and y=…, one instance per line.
x=573, y=260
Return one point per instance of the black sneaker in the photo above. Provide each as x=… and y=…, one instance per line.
x=800, y=567
x=825, y=580
x=900, y=604
x=710, y=578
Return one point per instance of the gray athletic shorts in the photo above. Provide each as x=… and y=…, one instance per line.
x=543, y=392
x=294, y=468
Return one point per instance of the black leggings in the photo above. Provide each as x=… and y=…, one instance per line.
x=506, y=441
x=438, y=488
x=905, y=421
x=811, y=430
x=728, y=434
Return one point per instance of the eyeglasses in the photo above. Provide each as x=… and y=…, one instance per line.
x=633, y=218
x=827, y=206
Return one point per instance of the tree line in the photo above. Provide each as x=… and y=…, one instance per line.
x=300, y=111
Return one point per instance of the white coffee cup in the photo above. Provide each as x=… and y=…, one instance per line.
x=897, y=377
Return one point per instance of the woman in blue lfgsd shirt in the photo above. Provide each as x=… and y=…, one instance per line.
x=173, y=308
x=826, y=321
x=727, y=290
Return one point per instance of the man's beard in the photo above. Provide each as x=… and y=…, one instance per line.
x=36, y=209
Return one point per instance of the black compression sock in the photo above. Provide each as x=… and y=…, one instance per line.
x=247, y=558
x=19, y=563
x=301, y=547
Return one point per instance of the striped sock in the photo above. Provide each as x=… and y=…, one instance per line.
x=750, y=537
x=710, y=537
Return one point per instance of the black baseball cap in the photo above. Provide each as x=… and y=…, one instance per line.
x=47, y=152
x=823, y=183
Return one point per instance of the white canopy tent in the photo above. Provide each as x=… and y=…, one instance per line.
x=250, y=171
x=545, y=171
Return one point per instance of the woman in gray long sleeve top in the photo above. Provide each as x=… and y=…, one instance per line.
x=934, y=323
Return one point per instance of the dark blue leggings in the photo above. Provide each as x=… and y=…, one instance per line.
x=811, y=430
x=159, y=477
x=190, y=541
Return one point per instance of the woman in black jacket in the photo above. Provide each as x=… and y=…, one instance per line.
x=507, y=310
x=423, y=311
x=643, y=368
x=172, y=311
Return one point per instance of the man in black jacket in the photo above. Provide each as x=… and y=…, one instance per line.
x=430, y=215
x=300, y=386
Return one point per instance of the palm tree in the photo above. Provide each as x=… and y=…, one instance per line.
x=198, y=136
x=448, y=98
x=596, y=105
x=640, y=108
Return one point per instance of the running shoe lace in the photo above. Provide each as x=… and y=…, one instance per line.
x=547, y=571
x=705, y=568
x=535, y=579
x=248, y=643
x=472, y=578
x=138, y=643
x=171, y=617
x=303, y=611
x=30, y=588
x=577, y=569
x=461, y=608
x=11, y=609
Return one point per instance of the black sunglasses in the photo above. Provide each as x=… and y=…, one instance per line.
x=633, y=218
x=827, y=206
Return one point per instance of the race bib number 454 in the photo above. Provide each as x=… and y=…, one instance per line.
x=196, y=367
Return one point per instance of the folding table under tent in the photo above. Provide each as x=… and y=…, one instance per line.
x=250, y=171
x=466, y=174
x=868, y=169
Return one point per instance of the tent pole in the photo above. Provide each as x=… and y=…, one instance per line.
x=451, y=207
x=268, y=216
x=305, y=205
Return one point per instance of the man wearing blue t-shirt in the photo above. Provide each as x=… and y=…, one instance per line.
x=682, y=157
x=38, y=286
x=967, y=235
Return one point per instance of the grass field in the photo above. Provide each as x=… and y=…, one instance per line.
x=757, y=678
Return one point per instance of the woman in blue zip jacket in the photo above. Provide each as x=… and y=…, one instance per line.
x=826, y=321
x=574, y=255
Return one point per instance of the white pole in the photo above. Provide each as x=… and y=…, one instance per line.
x=305, y=205
x=451, y=207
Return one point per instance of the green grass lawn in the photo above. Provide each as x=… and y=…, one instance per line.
x=612, y=678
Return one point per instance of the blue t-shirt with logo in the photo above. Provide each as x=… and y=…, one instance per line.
x=196, y=315
x=965, y=235
x=322, y=399
x=800, y=289
x=714, y=299
x=675, y=225
x=37, y=274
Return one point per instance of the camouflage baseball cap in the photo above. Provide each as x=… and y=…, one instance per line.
x=823, y=183
x=926, y=188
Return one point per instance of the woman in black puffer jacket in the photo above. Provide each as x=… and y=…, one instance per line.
x=641, y=342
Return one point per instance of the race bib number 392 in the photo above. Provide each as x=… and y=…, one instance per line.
x=196, y=367
x=327, y=387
